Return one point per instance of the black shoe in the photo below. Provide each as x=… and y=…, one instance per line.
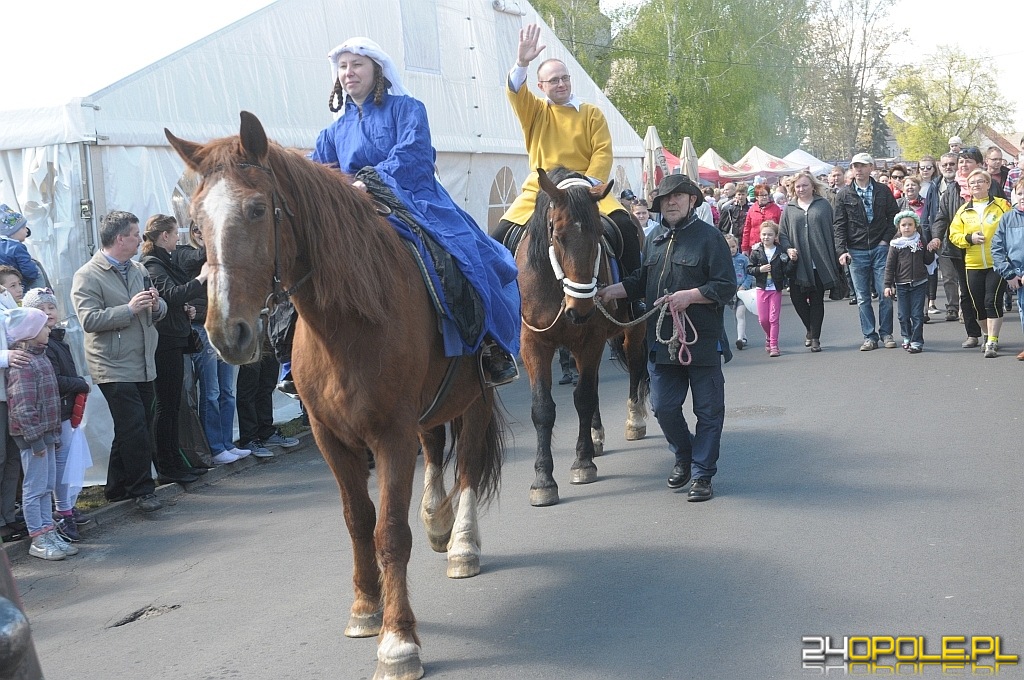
x=500, y=367
x=700, y=491
x=565, y=379
x=679, y=477
x=287, y=388
x=853, y=301
x=148, y=503
x=176, y=476
x=198, y=470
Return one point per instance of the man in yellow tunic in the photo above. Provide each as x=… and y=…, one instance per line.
x=561, y=130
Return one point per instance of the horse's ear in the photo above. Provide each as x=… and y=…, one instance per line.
x=189, y=151
x=546, y=185
x=601, y=190
x=254, y=139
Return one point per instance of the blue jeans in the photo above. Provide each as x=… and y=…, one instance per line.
x=216, y=395
x=1020, y=306
x=911, y=301
x=865, y=266
x=669, y=386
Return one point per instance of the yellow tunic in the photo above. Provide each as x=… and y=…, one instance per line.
x=560, y=135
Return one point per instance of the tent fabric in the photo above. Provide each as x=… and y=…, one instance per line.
x=757, y=161
x=801, y=157
x=65, y=167
x=713, y=168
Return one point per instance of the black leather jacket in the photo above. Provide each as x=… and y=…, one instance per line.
x=850, y=222
x=177, y=289
x=690, y=255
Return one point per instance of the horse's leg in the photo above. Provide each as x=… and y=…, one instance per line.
x=351, y=471
x=588, y=358
x=537, y=358
x=635, y=345
x=398, y=650
x=435, y=508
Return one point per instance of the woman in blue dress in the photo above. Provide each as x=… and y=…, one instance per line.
x=381, y=130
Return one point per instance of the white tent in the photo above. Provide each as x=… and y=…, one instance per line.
x=66, y=166
x=801, y=157
x=760, y=162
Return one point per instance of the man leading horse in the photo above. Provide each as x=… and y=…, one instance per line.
x=561, y=131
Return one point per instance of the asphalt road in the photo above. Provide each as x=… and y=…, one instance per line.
x=859, y=493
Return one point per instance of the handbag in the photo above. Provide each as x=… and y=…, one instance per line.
x=748, y=297
x=194, y=344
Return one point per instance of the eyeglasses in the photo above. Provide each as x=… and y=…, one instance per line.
x=760, y=195
x=951, y=164
x=558, y=80
x=969, y=152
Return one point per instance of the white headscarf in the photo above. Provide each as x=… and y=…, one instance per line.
x=368, y=48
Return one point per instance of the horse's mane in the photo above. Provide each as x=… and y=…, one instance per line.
x=350, y=249
x=580, y=203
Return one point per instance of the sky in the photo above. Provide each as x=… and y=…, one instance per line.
x=72, y=48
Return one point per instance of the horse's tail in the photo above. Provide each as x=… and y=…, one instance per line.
x=488, y=460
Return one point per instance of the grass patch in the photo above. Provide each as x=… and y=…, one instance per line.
x=294, y=427
x=91, y=498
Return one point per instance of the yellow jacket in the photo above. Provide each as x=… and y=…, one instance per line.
x=560, y=135
x=967, y=221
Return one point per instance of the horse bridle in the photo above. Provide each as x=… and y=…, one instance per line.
x=279, y=207
x=575, y=289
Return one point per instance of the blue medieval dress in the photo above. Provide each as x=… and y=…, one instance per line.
x=394, y=139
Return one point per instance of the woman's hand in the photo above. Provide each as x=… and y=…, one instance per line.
x=17, y=358
x=204, y=273
x=765, y=268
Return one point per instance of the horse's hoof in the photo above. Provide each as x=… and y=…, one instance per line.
x=463, y=566
x=364, y=625
x=597, y=436
x=541, y=498
x=439, y=542
x=397, y=660
x=635, y=433
x=586, y=475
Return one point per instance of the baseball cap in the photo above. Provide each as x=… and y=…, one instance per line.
x=863, y=159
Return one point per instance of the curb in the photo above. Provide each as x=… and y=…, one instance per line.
x=109, y=514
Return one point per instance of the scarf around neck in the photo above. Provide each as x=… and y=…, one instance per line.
x=912, y=242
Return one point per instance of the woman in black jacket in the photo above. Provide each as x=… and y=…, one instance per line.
x=178, y=290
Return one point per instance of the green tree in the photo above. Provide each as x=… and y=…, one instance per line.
x=585, y=32
x=848, y=58
x=949, y=94
x=719, y=71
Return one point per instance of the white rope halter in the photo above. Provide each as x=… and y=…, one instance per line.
x=572, y=288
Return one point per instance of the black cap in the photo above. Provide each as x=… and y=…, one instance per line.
x=676, y=184
x=627, y=195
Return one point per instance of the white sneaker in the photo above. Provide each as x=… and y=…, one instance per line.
x=224, y=457
x=44, y=550
x=239, y=453
x=60, y=544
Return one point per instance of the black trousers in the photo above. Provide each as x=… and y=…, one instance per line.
x=809, y=304
x=254, y=398
x=966, y=304
x=132, y=408
x=170, y=377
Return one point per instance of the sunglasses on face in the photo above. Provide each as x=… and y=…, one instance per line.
x=897, y=176
x=927, y=167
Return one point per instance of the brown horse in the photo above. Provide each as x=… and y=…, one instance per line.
x=368, y=361
x=561, y=264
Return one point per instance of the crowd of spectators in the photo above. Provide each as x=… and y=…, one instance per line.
x=142, y=321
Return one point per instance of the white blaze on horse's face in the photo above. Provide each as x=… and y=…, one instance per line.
x=220, y=204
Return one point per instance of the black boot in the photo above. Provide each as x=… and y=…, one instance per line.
x=500, y=367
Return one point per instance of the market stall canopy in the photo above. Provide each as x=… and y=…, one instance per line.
x=816, y=166
x=757, y=161
x=715, y=169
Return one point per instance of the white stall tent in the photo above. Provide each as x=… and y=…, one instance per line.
x=816, y=166
x=64, y=167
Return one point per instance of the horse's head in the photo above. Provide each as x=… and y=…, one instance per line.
x=574, y=236
x=236, y=206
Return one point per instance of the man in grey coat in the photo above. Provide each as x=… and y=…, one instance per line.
x=118, y=308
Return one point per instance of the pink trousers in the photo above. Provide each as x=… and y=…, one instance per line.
x=769, y=306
